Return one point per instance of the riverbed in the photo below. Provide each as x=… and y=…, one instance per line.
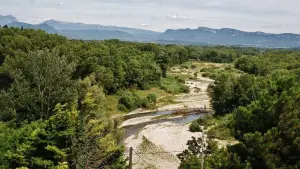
x=157, y=136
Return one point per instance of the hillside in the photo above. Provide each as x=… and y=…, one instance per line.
x=199, y=36
x=226, y=36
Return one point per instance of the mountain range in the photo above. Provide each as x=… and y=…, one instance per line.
x=199, y=36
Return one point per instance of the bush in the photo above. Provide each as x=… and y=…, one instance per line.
x=122, y=107
x=145, y=86
x=184, y=67
x=144, y=103
x=185, y=89
x=152, y=98
x=180, y=79
x=220, y=132
x=130, y=101
x=195, y=127
x=193, y=67
x=207, y=120
x=195, y=74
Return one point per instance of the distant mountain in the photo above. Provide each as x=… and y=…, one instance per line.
x=138, y=33
x=200, y=36
x=94, y=34
x=41, y=26
x=226, y=36
x=4, y=20
x=84, y=34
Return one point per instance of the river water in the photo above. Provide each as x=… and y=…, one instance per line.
x=167, y=130
x=137, y=127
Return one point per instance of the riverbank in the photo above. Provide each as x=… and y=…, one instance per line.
x=161, y=134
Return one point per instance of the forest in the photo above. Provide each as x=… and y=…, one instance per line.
x=260, y=109
x=54, y=95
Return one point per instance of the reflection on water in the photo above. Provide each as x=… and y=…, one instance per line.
x=158, y=113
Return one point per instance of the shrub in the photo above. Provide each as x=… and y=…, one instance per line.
x=195, y=74
x=180, y=79
x=195, y=127
x=151, y=98
x=207, y=120
x=184, y=67
x=144, y=103
x=129, y=101
x=185, y=89
x=220, y=132
x=193, y=67
x=122, y=107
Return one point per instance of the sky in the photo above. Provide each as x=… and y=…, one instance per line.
x=273, y=16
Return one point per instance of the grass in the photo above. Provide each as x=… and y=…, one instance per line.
x=180, y=77
x=165, y=101
x=215, y=72
x=173, y=86
x=189, y=69
x=154, y=90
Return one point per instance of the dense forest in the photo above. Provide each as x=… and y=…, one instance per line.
x=53, y=99
x=260, y=108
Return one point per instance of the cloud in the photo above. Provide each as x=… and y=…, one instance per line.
x=176, y=17
x=31, y=1
x=159, y=15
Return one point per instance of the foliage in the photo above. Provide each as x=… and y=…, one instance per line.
x=53, y=95
x=268, y=62
x=263, y=110
x=173, y=86
x=231, y=91
x=130, y=100
x=41, y=80
x=195, y=127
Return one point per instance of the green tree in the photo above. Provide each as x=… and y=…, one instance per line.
x=40, y=80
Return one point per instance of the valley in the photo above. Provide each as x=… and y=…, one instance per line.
x=160, y=134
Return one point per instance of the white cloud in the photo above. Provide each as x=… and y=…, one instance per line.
x=176, y=17
x=159, y=15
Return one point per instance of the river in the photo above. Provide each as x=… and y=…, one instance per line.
x=163, y=131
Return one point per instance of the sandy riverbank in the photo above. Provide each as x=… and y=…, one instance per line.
x=166, y=137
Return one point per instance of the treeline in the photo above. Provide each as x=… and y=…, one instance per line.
x=267, y=62
x=219, y=54
x=115, y=64
x=261, y=111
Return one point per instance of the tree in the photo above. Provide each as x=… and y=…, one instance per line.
x=40, y=80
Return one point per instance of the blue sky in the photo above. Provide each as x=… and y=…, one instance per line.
x=273, y=16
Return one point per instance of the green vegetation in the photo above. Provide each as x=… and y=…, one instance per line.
x=260, y=109
x=219, y=54
x=217, y=127
x=130, y=101
x=173, y=86
x=58, y=98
